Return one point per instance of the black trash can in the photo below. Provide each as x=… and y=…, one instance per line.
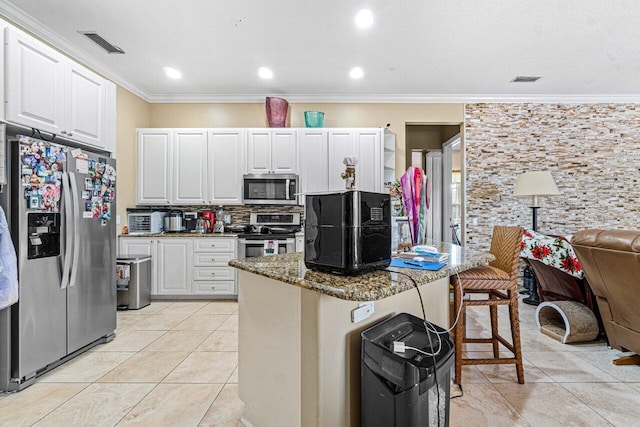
x=399, y=389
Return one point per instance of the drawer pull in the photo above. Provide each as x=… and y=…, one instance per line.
x=213, y=274
x=213, y=259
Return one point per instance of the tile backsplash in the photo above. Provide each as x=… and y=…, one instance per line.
x=239, y=213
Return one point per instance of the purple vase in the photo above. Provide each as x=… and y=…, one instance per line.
x=277, y=112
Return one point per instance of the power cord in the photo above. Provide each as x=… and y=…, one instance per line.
x=461, y=392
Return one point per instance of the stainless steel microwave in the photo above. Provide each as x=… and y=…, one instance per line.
x=270, y=189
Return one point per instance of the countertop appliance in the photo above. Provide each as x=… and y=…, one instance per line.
x=270, y=189
x=174, y=222
x=347, y=232
x=190, y=221
x=145, y=222
x=271, y=234
x=61, y=205
x=210, y=217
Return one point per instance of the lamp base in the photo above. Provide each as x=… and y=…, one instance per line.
x=527, y=280
x=533, y=299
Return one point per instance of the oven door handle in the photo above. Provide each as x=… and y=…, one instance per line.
x=287, y=183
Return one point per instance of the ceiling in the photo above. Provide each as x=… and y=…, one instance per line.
x=417, y=50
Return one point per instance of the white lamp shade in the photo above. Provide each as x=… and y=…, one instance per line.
x=536, y=184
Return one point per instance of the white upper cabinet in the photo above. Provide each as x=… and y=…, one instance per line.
x=369, y=168
x=189, y=166
x=3, y=60
x=271, y=151
x=50, y=92
x=367, y=146
x=35, y=83
x=206, y=166
x=110, y=131
x=259, y=151
x=283, y=151
x=225, y=168
x=341, y=144
x=312, y=160
x=87, y=106
x=154, y=167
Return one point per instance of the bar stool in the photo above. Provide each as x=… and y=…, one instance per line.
x=498, y=281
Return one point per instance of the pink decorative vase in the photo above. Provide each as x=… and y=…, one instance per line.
x=277, y=112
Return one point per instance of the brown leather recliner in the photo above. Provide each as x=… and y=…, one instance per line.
x=611, y=263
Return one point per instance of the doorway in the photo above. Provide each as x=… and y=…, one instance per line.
x=437, y=150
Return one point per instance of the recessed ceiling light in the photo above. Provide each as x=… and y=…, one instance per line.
x=172, y=73
x=356, y=73
x=364, y=18
x=265, y=73
x=525, y=79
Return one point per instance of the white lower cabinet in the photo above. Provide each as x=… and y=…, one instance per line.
x=175, y=259
x=187, y=266
x=211, y=271
x=215, y=288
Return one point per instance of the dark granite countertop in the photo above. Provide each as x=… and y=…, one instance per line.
x=181, y=235
x=290, y=268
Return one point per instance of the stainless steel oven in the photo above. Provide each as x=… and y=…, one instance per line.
x=272, y=234
x=249, y=247
x=270, y=189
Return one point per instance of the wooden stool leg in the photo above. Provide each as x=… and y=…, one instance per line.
x=458, y=333
x=515, y=332
x=494, y=327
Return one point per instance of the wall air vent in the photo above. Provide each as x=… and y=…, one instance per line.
x=97, y=39
x=525, y=79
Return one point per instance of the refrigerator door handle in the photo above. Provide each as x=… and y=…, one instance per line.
x=76, y=235
x=67, y=230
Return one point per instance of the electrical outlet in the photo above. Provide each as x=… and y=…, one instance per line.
x=117, y=219
x=363, y=311
x=474, y=220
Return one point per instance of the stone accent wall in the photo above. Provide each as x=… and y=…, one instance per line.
x=592, y=150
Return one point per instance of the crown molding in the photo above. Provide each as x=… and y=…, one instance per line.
x=400, y=99
x=40, y=30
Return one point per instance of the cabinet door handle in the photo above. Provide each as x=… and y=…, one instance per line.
x=70, y=133
x=64, y=132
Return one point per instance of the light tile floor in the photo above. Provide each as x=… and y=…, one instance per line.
x=175, y=364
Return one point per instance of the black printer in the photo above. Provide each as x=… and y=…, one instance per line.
x=348, y=232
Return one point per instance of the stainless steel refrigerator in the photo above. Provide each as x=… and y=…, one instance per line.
x=59, y=202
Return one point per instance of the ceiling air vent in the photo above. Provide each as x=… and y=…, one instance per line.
x=97, y=39
x=525, y=79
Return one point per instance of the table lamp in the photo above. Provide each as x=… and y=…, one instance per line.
x=535, y=184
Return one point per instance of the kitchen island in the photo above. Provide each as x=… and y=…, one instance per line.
x=299, y=350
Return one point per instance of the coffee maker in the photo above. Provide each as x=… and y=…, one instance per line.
x=348, y=232
x=210, y=218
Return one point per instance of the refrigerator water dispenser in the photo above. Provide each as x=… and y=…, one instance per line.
x=44, y=235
